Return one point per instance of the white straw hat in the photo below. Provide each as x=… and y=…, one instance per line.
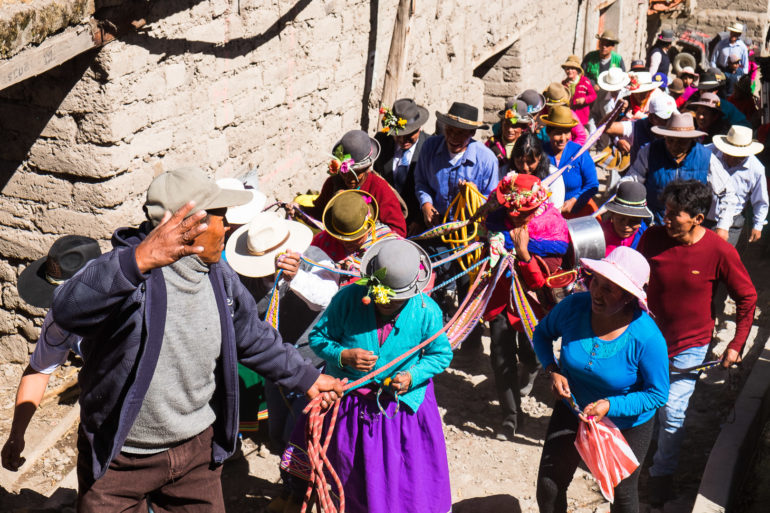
x=242, y=214
x=738, y=142
x=641, y=82
x=252, y=249
x=614, y=79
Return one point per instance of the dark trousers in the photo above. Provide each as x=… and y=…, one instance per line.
x=180, y=479
x=560, y=459
x=506, y=344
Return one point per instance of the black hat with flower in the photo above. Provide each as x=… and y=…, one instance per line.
x=404, y=118
x=394, y=269
x=356, y=151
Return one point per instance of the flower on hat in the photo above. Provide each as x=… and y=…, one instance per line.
x=391, y=122
x=518, y=199
x=512, y=114
x=341, y=162
x=378, y=291
x=633, y=83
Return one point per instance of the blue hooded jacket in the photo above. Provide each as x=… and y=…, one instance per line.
x=120, y=313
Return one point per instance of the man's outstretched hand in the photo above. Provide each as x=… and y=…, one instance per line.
x=330, y=387
x=172, y=239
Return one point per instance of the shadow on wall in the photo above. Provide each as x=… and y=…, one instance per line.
x=27, y=107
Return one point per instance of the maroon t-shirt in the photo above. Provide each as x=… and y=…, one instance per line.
x=683, y=280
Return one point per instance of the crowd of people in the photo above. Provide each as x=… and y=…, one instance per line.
x=321, y=305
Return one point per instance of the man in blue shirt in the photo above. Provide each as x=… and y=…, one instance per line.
x=730, y=45
x=452, y=158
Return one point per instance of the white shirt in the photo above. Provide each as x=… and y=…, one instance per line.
x=557, y=189
x=315, y=285
x=750, y=186
x=53, y=347
x=724, y=206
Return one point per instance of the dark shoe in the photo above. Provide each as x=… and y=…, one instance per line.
x=659, y=490
x=527, y=380
x=507, y=431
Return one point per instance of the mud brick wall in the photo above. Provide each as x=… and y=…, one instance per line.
x=250, y=87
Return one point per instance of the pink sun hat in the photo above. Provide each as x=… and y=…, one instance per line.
x=626, y=268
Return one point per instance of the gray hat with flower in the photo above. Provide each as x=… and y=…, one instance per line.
x=395, y=269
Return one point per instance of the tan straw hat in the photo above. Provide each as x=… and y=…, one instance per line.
x=608, y=35
x=680, y=126
x=736, y=28
x=573, y=61
x=252, y=248
x=560, y=116
x=738, y=142
x=556, y=94
x=242, y=214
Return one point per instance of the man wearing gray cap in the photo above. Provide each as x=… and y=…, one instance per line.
x=164, y=324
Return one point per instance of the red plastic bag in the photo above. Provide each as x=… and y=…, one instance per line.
x=606, y=453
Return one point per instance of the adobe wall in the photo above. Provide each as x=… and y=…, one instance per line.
x=260, y=87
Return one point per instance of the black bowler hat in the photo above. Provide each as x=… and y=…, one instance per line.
x=65, y=258
x=630, y=200
x=462, y=115
x=363, y=149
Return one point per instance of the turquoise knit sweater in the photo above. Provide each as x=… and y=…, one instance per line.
x=347, y=323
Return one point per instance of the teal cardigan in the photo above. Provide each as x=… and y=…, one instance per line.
x=347, y=323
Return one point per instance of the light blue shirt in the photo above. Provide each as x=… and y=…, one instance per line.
x=437, y=179
x=723, y=50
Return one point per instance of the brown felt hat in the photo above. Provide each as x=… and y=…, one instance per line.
x=573, y=61
x=349, y=214
x=556, y=94
x=676, y=86
x=560, y=116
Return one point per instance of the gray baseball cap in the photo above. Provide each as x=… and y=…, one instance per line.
x=173, y=189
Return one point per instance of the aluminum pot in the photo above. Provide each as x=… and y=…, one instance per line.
x=587, y=238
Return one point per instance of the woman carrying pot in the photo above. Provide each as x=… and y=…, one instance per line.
x=613, y=363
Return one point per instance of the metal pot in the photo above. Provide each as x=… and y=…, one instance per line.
x=586, y=238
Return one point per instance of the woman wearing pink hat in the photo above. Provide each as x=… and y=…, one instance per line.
x=613, y=363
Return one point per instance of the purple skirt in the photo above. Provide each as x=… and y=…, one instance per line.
x=384, y=465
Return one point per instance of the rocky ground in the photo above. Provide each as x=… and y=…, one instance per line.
x=487, y=475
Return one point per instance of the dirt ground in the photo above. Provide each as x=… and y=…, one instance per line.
x=487, y=475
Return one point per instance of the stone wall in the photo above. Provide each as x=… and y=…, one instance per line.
x=259, y=87
x=714, y=16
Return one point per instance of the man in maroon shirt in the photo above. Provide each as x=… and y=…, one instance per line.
x=687, y=263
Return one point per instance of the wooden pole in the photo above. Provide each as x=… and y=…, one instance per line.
x=397, y=53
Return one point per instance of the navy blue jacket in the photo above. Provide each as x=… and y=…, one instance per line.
x=120, y=313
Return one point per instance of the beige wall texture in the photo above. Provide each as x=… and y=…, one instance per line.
x=251, y=87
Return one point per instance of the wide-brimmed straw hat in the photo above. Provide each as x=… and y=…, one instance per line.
x=626, y=268
x=709, y=100
x=252, y=248
x=556, y=94
x=573, y=61
x=407, y=265
x=608, y=35
x=736, y=28
x=630, y=200
x=350, y=214
x=414, y=116
x=688, y=70
x=738, y=142
x=614, y=79
x=242, y=214
x=67, y=255
x=680, y=126
x=641, y=82
x=363, y=150
x=559, y=116
x=462, y=115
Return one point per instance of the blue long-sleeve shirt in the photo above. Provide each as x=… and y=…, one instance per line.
x=630, y=371
x=580, y=180
x=437, y=179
